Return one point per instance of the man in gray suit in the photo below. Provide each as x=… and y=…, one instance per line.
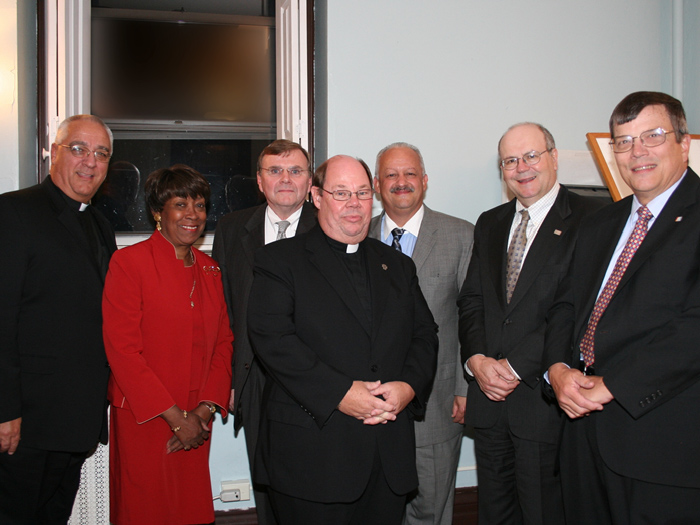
x=440, y=247
x=285, y=179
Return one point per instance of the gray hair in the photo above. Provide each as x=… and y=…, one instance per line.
x=398, y=145
x=63, y=127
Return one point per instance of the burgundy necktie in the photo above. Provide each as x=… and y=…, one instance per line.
x=634, y=241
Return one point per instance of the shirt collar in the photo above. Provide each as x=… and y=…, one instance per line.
x=412, y=226
x=274, y=218
x=539, y=210
x=656, y=205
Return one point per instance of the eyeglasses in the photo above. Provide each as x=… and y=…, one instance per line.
x=346, y=195
x=293, y=172
x=81, y=152
x=650, y=139
x=531, y=158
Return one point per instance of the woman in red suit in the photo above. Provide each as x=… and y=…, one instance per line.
x=169, y=346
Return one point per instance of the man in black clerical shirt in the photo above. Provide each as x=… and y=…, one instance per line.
x=53, y=369
x=350, y=346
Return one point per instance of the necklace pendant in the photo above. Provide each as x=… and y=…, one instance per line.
x=192, y=304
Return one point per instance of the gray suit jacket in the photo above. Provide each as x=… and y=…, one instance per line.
x=441, y=256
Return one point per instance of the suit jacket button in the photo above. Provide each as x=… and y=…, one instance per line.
x=246, y=366
x=373, y=369
x=507, y=322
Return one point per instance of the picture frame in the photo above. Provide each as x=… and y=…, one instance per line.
x=605, y=158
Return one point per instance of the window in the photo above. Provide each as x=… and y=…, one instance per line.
x=153, y=128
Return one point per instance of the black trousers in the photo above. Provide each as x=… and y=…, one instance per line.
x=378, y=505
x=595, y=494
x=38, y=486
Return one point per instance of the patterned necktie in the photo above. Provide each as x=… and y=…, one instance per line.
x=397, y=233
x=516, y=250
x=634, y=241
x=282, y=228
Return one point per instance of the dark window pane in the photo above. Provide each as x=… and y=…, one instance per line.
x=156, y=70
x=228, y=164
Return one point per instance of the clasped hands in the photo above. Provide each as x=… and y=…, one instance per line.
x=193, y=429
x=578, y=394
x=374, y=402
x=495, y=377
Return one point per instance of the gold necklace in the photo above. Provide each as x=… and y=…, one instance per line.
x=194, y=281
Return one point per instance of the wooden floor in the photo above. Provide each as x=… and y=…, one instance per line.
x=465, y=512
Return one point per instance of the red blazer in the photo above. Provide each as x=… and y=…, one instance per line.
x=148, y=329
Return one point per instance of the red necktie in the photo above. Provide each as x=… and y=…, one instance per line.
x=633, y=243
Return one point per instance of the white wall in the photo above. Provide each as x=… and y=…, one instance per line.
x=450, y=76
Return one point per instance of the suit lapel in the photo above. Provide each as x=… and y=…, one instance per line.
x=307, y=219
x=426, y=239
x=683, y=197
x=498, y=251
x=550, y=233
x=597, y=253
x=255, y=234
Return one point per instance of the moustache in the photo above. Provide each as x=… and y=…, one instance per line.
x=402, y=188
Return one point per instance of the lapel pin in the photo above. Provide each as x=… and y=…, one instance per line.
x=679, y=219
x=557, y=232
x=384, y=267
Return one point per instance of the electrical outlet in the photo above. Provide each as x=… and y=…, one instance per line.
x=238, y=490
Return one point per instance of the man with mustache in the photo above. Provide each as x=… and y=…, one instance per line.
x=440, y=246
x=521, y=253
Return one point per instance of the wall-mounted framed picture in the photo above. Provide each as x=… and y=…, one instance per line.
x=605, y=158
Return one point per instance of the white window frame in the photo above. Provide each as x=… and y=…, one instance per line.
x=68, y=73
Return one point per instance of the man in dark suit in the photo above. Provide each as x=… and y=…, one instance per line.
x=285, y=180
x=53, y=369
x=622, y=343
x=350, y=345
x=440, y=247
x=521, y=252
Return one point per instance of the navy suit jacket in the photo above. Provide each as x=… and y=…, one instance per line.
x=647, y=343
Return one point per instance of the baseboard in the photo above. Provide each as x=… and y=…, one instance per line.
x=466, y=506
x=465, y=513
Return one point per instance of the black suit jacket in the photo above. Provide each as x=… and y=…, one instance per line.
x=308, y=326
x=490, y=326
x=53, y=369
x=647, y=343
x=238, y=236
